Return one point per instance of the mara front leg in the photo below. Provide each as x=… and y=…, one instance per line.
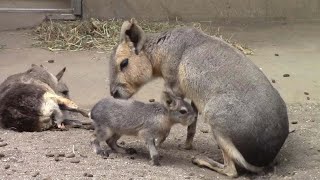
x=154, y=155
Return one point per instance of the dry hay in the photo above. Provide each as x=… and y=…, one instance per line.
x=96, y=34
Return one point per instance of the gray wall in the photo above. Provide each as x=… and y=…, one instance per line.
x=14, y=20
x=204, y=10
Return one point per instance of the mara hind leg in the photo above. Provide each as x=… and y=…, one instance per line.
x=231, y=157
x=191, y=131
x=228, y=168
x=66, y=104
x=112, y=142
x=50, y=108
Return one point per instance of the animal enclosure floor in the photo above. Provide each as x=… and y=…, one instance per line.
x=280, y=49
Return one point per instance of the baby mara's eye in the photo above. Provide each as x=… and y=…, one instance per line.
x=183, y=111
x=124, y=64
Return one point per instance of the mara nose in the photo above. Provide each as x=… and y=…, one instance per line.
x=115, y=94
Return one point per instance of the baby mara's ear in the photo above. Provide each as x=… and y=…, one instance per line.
x=171, y=102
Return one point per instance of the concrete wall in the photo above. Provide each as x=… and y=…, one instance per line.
x=203, y=10
x=14, y=20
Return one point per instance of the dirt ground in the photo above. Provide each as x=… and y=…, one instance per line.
x=297, y=46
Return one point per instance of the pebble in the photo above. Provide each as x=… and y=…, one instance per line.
x=131, y=157
x=75, y=161
x=273, y=81
x=57, y=159
x=7, y=166
x=308, y=98
x=286, y=75
x=152, y=100
x=204, y=130
x=61, y=155
x=1, y=140
x=51, y=61
x=71, y=155
x=85, y=174
x=35, y=174
x=187, y=177
x=3, y=144
x=83, y=155
x=2, y=155
x=276, y=54
x=294, y=122
x=89, y=175
x=291, y=131
x=49, y=154
x=191, y=174
x=306, y=93
x=47, y=178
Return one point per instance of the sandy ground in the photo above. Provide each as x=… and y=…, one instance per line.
x=298, y=47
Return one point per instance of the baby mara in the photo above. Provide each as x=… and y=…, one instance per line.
x=149, y=121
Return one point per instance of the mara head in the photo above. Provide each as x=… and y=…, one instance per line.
x=129, y=67
x=54, y=81
x=180, y=111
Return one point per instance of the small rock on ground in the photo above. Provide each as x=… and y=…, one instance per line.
x=61, y=155
x=2, y=144
x=204, y=130
x=35, y=174
x=71, y=155
x=83, y=155
x=286, y=75
x=7, y=166
x=49, y=154
x=2, y=155
x=75, y=161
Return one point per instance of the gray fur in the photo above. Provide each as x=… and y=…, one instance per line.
x=232, y=94
x=150, y=121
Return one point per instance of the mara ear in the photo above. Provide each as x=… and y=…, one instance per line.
x=60, y=74
x=131, y=31
x=44, y=67
x=168, y=100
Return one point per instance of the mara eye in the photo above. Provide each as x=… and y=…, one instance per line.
x=65, y=92
x=182, y=111
x=124, y=64
x=169, y=102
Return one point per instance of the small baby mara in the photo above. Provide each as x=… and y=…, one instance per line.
x=149, y=121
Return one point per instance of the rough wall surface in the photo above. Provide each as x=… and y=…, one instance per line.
x=203, y=10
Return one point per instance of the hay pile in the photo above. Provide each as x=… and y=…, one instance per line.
x=94, y=34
